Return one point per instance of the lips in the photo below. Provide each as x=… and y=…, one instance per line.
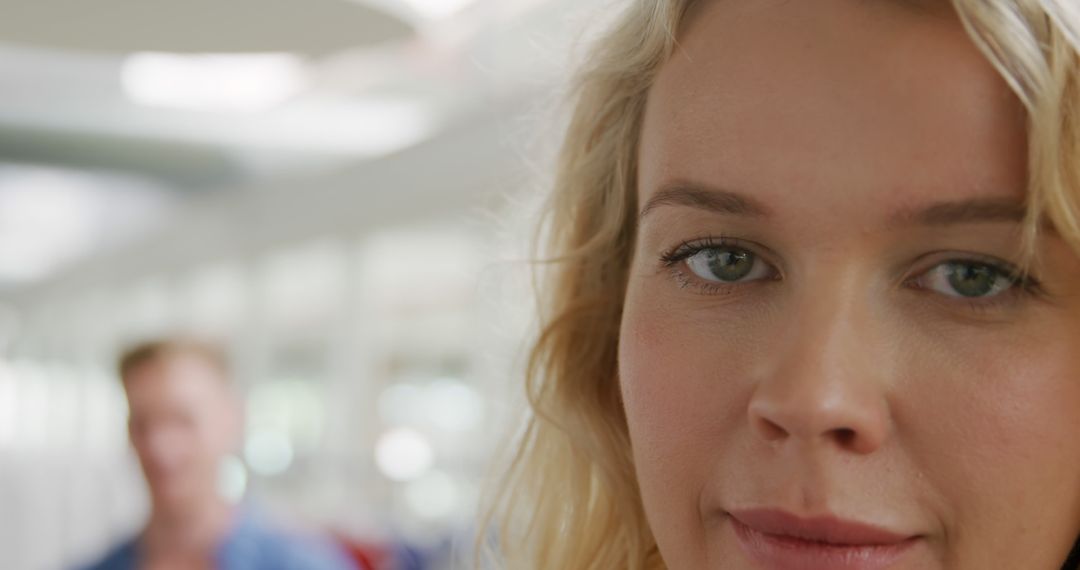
x=779, y=540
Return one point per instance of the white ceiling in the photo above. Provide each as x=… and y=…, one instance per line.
x=381, y=85
x=379, y=77
x=310, y=27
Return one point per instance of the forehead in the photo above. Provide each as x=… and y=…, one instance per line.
x=863, y=104
x=174, y=381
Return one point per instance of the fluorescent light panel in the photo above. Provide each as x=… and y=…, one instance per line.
x=238, y=83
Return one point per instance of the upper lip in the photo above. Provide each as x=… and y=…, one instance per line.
x=827, y=529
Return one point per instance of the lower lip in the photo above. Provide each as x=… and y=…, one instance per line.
x=785, y=553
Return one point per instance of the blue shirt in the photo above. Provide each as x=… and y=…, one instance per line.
x=252, y=545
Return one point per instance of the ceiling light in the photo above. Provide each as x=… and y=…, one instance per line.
x=434, y=9
x=420, y=9
x=232, y=479
x=403, y=454
x=245, y=83
x=268, y=453
x=434, y=496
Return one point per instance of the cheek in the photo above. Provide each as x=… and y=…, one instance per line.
x=215, y=432
x=991, y=421
x=683, y=377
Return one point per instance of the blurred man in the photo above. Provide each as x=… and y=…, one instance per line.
x=184, y=419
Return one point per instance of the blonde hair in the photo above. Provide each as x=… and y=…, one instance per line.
x=570, y=497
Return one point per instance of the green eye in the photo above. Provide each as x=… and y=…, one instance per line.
x=972, y=280
x=967, y=279
x=726, y=264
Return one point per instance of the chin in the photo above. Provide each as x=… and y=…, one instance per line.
x=172, y=496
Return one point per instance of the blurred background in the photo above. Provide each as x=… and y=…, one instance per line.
x=333, y=189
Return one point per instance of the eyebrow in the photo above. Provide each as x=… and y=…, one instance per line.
x=702, y=197
x=973, y=210
x=946, y=213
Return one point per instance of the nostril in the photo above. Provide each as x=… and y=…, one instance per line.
x=844, y=436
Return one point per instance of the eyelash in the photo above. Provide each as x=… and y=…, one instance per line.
x=673, y=259
x=1020, y=285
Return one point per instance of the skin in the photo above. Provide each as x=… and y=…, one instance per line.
x=183, y=421
x=849, y=380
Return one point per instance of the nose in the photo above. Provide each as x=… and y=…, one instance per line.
x=827, y=382
x=159, y=449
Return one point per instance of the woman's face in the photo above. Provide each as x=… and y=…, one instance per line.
x=826, y=360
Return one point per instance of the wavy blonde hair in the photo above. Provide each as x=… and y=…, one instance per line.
x=570, y=498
